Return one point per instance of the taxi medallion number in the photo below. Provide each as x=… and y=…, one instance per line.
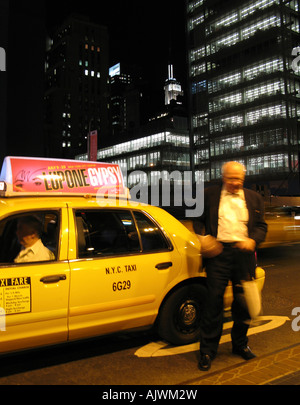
x=121, y=285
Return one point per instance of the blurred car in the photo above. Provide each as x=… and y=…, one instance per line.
x=283, y=225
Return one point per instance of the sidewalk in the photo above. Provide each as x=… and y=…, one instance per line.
x=279, y=368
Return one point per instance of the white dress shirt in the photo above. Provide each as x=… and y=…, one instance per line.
x=35, y=253
x=233, y=217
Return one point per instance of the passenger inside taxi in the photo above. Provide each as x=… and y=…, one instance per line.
x=29, y=230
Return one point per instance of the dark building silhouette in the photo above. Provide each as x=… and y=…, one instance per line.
x=77, y=92
x=125, y=100
x=22, y=34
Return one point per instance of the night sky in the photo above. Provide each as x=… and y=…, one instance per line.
x=146, y=33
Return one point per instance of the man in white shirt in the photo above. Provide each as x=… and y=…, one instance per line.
x=234, y=225
x=33, y=250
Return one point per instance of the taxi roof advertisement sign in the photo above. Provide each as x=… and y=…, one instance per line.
x=33, y=175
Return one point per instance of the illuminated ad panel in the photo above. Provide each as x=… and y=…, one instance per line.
x=30, y=175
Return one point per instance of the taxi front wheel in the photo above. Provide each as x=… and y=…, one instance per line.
x=179, y=317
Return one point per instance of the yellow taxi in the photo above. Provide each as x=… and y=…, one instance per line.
x=283, y=225
x=99, y=263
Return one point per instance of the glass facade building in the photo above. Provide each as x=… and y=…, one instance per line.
x=147, y=158
x=245, y=87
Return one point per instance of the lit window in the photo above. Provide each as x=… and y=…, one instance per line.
x=86, y=72
x=92, y=73
x=86, y=46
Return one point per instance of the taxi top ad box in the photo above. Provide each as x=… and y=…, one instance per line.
x=23, y=176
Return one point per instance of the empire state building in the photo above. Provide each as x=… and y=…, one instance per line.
x=172, y=87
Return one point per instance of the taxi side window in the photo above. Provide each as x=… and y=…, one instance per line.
x=105, y=232
x=152, y=237
x=29, y=237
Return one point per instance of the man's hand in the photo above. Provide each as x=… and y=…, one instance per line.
x=247, y=245
x=210, y=247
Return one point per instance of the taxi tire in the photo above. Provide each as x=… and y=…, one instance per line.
x=179, y=317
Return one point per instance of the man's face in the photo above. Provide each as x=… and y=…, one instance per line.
x=26, y=236
x=233, y=178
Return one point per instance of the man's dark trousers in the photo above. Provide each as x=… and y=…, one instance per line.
x=235, y=265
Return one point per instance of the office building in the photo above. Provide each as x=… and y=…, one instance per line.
x=162, y=145
x=125, y=99
x=245, y=89
x=76, y=86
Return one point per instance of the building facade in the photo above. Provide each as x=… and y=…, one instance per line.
x=157, y=152
x=125, y=99
x=77, y=89
x=245, y=89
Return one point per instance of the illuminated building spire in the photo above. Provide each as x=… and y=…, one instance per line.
x=172, y=87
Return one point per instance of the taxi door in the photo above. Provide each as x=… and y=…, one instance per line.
x=34, y=296
x=115, y=286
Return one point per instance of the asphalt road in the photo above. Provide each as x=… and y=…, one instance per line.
x=142, y=359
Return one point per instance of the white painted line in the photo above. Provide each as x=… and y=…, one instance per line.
x=160, y=349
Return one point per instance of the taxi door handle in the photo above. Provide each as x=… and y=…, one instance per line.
x=53, y=279
x=163, y=266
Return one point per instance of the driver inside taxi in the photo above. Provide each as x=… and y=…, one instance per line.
x=29, y=235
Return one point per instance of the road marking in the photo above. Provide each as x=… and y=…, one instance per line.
x=160, y=349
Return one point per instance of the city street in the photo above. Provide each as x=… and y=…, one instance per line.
x=153, y=102
x=142, y=359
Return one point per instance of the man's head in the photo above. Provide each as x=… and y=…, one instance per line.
x=233, y=176
x=28, y=230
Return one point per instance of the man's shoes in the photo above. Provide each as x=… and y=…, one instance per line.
x=245, y=352
x=205, y=362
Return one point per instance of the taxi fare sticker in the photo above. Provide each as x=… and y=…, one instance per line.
x=15, y=295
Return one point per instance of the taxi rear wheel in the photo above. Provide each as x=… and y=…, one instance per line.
x=179, y=317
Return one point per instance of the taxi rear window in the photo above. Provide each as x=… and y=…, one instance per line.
x=116, y=232
x=151, y=236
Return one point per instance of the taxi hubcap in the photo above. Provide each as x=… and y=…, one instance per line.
x=188, y=315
